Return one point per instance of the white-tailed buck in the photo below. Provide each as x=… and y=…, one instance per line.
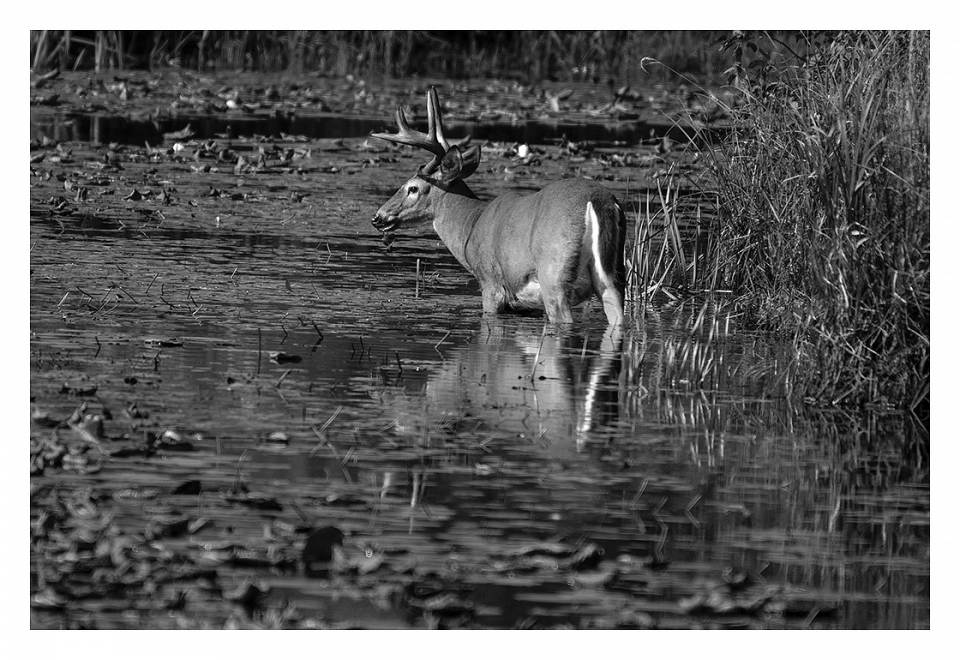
x=549, y=250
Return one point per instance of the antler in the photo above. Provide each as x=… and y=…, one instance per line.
x=435, y=119
x=433, y=140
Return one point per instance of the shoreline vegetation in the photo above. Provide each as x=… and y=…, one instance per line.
x=819, y=207
x=532, y=55
x=818, y=200
x=823, y=193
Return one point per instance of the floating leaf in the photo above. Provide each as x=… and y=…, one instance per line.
x=256, y=501
x=279, y=437
x=281, y=358
x=184, y=133
x=78, y=390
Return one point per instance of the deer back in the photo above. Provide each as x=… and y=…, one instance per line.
x=517, y=235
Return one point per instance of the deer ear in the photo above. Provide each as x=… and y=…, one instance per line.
x=458, y=164
x=470, y=162
x=451, y=165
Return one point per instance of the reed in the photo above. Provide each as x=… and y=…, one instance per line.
x=822, y=212
x=671, y=258
x=824, y=204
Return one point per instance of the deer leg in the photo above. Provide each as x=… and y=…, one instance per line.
x=494, y=300
x=610, y=294
x=612, y=305
x=555, y=303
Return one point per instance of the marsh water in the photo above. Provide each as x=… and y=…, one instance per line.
x=256, y=364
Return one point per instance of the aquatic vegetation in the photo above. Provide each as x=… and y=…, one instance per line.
x=822, y=198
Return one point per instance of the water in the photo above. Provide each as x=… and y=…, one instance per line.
x=108, y=128
x=490, y=472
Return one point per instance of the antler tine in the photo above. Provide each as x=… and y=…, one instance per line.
x=402, y=124
x=435, y=119
x=410, y=137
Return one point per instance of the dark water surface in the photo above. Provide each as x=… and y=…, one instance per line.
x=111, y=128
x=494, y=473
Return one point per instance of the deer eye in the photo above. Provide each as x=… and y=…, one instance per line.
x=412, y=190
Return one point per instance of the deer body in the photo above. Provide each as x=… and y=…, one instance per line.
x=549, y=250
x=539, y=251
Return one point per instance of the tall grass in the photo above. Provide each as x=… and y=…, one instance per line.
x=664, y=264
x=530, y=55
x=824, y=203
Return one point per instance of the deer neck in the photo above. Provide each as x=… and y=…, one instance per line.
x=454, y=219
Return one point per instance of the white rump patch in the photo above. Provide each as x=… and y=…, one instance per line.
x=593, y=226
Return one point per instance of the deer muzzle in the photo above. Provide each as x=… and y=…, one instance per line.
x=385, y=223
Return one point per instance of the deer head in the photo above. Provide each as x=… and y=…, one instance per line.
x=415, y=202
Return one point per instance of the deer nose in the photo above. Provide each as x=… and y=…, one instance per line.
x=384, y=222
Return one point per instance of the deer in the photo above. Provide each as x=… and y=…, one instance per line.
x=550, y=250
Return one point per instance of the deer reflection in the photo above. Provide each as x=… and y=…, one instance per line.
x=554, y=384
x=549, y=389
